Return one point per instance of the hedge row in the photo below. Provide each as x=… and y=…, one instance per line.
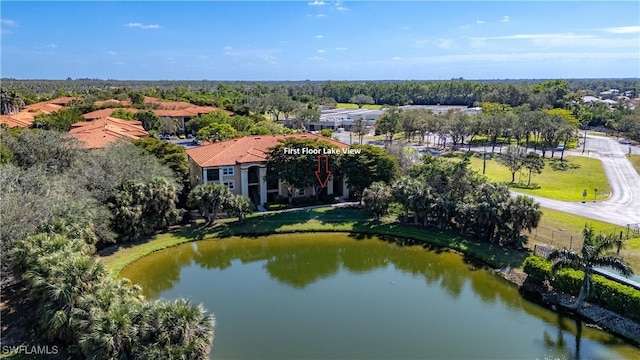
x=608, y=293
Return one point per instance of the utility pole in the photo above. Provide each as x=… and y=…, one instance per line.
x=584, y=141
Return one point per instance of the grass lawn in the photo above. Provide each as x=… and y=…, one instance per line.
x=354, y=106
x=312, y=220
x=565, y=185
x=635, y=161
x=556, y=228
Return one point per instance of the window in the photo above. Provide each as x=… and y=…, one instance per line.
x=227, y=171
x=230, y=184
x=213, y=175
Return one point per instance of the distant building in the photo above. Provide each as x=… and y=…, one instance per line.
x=26, y=116
x=102, y=132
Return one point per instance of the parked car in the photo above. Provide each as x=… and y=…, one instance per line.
x=181, y=136
x=560, y=148
x=165, y=137
x=189, y=136
x=196, y=142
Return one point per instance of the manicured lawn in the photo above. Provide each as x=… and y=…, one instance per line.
x=635, y=161
x=354, y=106
x=555, y=229
x=583, y=173
x=322, y=219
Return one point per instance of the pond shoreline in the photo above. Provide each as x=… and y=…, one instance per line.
x=593, y=315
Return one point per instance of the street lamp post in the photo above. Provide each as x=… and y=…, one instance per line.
x=584, y=141
x=595, y=193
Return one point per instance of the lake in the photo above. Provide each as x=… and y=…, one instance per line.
x=350, y=296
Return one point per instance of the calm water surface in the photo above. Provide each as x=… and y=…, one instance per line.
x=341, y=296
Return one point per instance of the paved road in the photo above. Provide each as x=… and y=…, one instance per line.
x=623, y=206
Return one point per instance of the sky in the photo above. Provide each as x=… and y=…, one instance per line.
x=319, y=40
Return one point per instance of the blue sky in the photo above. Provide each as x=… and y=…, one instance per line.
x=319, y=40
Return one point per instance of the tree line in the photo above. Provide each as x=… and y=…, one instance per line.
x=60, y=203
x=448, y=195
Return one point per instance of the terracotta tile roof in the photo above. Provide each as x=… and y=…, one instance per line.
x=103, y=113
x=248, y=149
x=102, y=132
x=165, y=107
x=42, y=108
x=18, y=120
x=176, y=113
x=63, y=100
x=112, y=102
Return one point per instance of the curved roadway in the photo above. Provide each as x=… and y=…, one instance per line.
x=623, y=206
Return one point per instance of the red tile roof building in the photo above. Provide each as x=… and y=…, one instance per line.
x=27, y=115
x=241, y=165
x=102, y=132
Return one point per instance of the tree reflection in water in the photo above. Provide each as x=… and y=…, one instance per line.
x=300, y=260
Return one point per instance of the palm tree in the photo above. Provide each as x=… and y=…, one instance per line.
x=377, y=198
x=421, y=203
x=521, y=213
x=403, y=190
x=176, y=329
x=240, y=206
x=490, y=202
x=595, y=252
x=10, y=102
x=209, y=199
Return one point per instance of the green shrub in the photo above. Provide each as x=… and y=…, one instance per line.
x=568, y=281
x=608, y=293
x=617, y=297
x=537, y=268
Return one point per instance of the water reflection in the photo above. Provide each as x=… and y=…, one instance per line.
x=299, y=261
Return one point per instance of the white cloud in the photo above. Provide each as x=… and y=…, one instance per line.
x=119, y=63
x=52, y=45
x=396, y=58
x=316, y=3
x=548, y=36
x=282, y=42
x=320, y=15
x=321, y=51
x=341, y=48
x=9, y=22
x=622, y=30
x=445, y=44
x=565, y=40
x=229, y=51
x=318, y=36
x=142, y=26
x=406, y=27
x=112, y=52
x=338, y=6
x=316, y=58
x=506, y=19
x=5, y=23
x=480, y=21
